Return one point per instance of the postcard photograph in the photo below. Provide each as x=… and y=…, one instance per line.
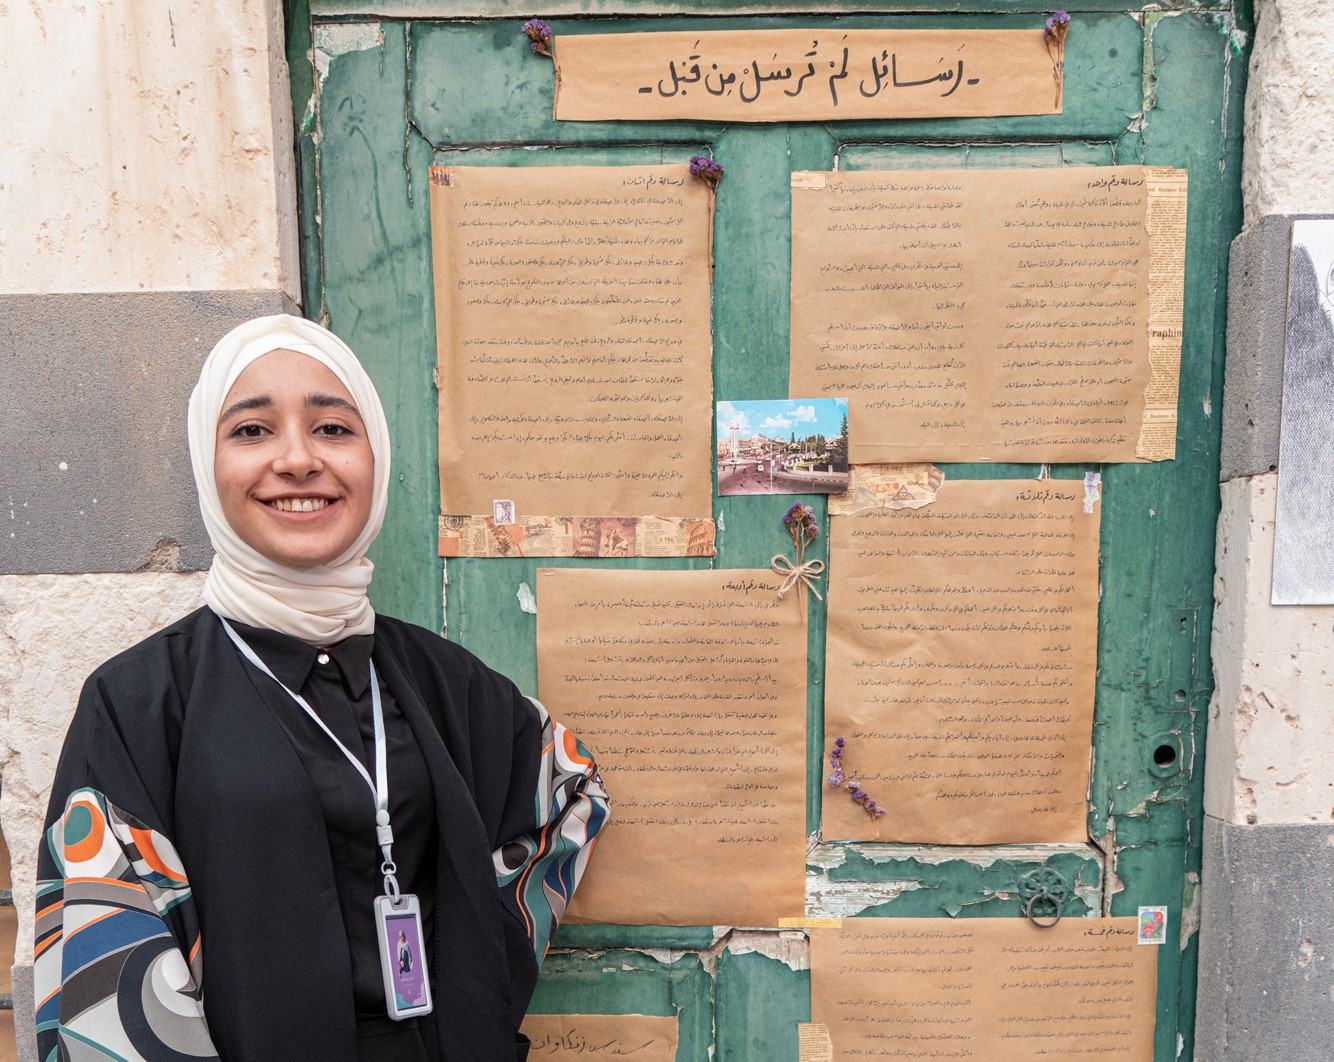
x=783, y=446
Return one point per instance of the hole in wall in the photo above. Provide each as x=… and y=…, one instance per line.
x=1164, y=749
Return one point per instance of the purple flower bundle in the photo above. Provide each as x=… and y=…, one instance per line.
x=539, y=35
x=1058, y=25
x=706, y=170
x=801, y=525
x=839, y=780
x=800, y=521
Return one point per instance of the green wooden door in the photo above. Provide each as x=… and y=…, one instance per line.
x=383, y=90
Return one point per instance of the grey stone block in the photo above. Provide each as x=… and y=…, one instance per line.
x=1257, y=311
x=1266, y=972
x=94, y=468
x=25, y=1031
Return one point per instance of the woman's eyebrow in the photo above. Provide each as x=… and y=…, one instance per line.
x=246, y=404
x=316, y=401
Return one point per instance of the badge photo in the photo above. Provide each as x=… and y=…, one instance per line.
x=407, y=990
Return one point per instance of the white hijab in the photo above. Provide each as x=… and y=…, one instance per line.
x=319, y=605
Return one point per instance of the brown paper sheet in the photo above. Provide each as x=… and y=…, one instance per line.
x=887, y=487
x=962, y=651
x=642, y=1037
x=572, y=310
x=998, y=989
x=690, y=690
x=576, y=536
x=974, y=315
x=801, y=75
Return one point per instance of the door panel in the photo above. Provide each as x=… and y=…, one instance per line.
x=395, y=87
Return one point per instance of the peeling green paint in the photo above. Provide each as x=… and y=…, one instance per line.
x=343, y=38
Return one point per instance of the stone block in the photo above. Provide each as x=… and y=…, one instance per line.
x=151, y=146
x=94, y=466
x=1257, y=318
x=1266, y=972
x=1257, y=299
x=1271, y=735
x=25, y=1033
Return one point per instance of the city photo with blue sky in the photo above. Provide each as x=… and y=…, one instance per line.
x=781, y=418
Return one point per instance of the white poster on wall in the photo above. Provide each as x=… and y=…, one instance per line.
x=1304, y=526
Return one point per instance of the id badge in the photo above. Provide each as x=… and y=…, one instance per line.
x=407, y=988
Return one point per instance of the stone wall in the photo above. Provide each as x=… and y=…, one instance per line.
x=1266, y=973
x=1267, y=923
x=149, y=205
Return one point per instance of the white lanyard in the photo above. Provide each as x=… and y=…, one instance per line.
x=379, y=787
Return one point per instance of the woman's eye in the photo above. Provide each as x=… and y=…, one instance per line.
x=247, y=431
x=333, y=429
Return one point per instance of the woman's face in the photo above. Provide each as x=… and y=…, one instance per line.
x=294, y=467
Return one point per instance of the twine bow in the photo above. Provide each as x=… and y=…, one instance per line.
x=797, y=574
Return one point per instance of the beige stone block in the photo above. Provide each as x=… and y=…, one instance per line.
x=1271, y=731
x=1289, y=110
x=54, y=630
x=148, y=148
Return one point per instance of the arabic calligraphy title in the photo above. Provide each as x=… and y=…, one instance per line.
x=814, y=74
x=823, y=66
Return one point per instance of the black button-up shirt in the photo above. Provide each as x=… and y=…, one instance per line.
x=336, y=682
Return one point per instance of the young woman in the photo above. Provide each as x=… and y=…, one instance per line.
x=245, y=797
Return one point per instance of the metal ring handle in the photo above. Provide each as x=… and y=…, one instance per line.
x=1028, y=910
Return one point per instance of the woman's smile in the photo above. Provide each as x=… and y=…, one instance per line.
x=300, y=505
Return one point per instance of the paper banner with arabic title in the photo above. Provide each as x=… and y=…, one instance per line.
x=989, y=989
x=962, y=653
x=819, y=74
x=1004, y=315
x=691, y=688
x=574, y=360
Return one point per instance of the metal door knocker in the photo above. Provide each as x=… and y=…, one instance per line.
x=1043, y=892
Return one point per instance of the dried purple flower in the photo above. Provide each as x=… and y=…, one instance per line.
x=839, y=780
x=1058, y=25
x=706, y=169
x=539, y=34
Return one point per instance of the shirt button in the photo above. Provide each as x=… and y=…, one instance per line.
x=323, y=658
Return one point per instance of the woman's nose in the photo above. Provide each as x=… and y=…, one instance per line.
x=297, y=457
